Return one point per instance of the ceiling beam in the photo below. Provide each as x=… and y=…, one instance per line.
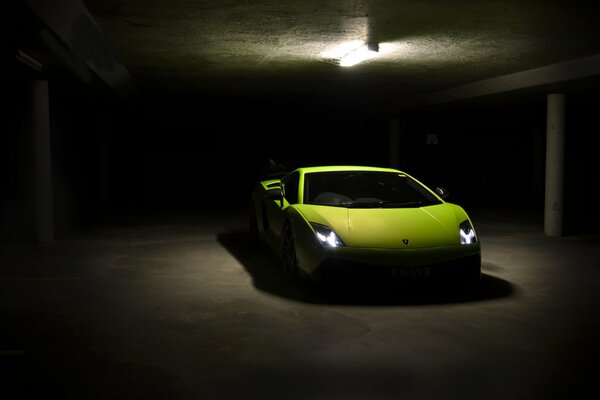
x=563, y=72
x=76, y=40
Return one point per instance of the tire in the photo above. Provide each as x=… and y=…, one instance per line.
x=290, y=262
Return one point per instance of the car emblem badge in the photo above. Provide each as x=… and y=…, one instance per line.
x=405, y=241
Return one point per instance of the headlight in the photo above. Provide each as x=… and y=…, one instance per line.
x=467, y=233
x=327, y=236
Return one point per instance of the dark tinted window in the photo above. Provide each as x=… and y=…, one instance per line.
x=365, y=189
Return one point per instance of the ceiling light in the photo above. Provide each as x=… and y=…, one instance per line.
x=359, y=54
x=351, y=53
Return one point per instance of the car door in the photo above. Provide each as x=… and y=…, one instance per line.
x=276, y=212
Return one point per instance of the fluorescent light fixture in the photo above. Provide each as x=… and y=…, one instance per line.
x=29, y=60
x=356, y=56
x=352, y=53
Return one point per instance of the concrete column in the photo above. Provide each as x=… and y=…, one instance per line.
x=555, y=144
x=41, y=163
x=394, y=143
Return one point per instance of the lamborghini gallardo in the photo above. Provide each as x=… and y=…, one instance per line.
x=339, y=223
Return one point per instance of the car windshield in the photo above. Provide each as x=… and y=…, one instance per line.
x=365, y=189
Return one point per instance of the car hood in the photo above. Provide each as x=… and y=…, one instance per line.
x=430, y=226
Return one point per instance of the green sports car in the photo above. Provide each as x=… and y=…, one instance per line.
x=339, y=223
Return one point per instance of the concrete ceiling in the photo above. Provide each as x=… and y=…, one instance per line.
x=280, y=50
x=246, y=47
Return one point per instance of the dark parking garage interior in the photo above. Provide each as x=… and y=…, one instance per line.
x=135, y=130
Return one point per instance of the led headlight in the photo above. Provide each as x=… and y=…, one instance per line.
x=467, y=233
x=327, y=236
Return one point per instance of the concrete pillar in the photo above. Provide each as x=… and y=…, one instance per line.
x=43, y=223
x=555, y=145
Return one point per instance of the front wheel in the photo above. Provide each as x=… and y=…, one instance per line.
x=290, y=261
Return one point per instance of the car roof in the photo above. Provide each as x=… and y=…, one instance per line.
x=333, y=168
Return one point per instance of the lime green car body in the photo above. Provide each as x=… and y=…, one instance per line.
x=346, y=237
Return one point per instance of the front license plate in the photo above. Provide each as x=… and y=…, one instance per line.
x=410, y=272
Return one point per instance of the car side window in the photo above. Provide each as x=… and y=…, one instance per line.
x=290, y=187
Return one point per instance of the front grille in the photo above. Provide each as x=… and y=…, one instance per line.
x=339, y=271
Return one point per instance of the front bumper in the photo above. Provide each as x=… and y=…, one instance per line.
x=339, y=271
x=447, y=263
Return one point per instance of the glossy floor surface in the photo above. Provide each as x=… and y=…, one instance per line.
x=183, y=308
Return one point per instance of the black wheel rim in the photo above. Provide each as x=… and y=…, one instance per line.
x=289, y=254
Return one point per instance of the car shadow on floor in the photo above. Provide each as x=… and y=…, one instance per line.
x=264, y=268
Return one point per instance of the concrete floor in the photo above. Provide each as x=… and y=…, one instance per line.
x=182, y=308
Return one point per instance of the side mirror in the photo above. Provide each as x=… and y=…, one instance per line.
x=275, y=194
x=443, y=193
